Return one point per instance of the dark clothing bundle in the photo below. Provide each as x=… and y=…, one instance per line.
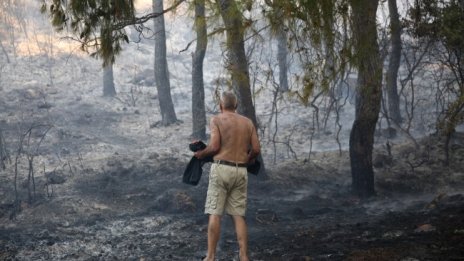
x=192, y=173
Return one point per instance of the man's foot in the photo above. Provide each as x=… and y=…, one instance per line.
x=208, y=259
x=244, y=258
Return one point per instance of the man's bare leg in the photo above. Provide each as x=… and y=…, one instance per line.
x=242, y=236
x=214, y=230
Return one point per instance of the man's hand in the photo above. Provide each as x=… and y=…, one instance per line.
x=198, y=154
x=251, y=161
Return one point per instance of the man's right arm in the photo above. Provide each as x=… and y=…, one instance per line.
x=214, y=144
x=255, y=147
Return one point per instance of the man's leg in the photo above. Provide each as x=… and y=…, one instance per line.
x=242, y=236
x=214, y=230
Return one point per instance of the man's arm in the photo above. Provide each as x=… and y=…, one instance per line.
x=214, y=144
x=255, y=147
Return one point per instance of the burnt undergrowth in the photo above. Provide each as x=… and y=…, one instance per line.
x=136, y=207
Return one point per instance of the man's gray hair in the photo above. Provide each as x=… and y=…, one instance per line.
x=229, y=100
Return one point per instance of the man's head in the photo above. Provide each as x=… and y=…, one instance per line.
x=228, y=101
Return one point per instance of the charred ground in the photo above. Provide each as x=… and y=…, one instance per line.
x=136, y=208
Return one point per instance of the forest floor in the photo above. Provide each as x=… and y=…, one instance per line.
x=136, y=208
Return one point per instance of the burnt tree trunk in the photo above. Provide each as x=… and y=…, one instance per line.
x=237, y=63
x=163, y=86
x=394, y=64
x=198, y=90
x=368, y=96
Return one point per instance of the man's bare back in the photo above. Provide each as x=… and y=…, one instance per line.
x=236, y=134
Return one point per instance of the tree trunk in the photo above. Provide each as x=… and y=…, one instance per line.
x=394, y=64
x=236, y=57
x=168, y=115
x=368, y=96
x=108, y=81
x=198, y=90
x=237, y=63
x=282, y=52
x=5, y=52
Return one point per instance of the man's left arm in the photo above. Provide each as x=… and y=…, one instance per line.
x=214, y=144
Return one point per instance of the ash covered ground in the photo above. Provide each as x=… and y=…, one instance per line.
x=108, y=187
x=133, y=206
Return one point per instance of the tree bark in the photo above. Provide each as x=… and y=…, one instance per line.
x=108, y=78
x=394, y=64
x=163, y=86
x=198, y=90
x=237, y=63
x=108, y=81
x=282, y=53
x=368, y=96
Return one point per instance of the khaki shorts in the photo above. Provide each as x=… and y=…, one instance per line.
x=227, y=190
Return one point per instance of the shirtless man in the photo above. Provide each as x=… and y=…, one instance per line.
x=231, y=137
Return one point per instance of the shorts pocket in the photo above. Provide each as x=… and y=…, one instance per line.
x=213, y=174
x=212, y=200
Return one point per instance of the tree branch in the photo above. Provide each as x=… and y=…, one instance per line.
x=145, y=18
